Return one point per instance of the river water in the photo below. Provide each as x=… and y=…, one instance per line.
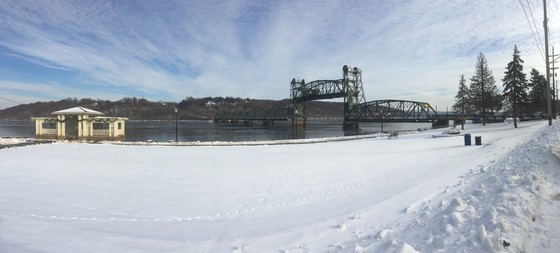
x=163, y=131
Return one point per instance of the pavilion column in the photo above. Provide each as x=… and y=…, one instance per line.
x=87, y=127
x=38, y=130
x=60, y=129
x=80, y=129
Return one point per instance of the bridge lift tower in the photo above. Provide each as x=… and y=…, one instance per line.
x=349, y=87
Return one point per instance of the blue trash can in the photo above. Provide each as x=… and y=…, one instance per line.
x=467, y=139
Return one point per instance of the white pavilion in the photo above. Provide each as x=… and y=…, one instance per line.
x=79, y=123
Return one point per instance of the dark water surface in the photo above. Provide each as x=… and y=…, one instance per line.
x=209, y=131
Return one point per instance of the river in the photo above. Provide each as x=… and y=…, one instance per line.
x=188, y=130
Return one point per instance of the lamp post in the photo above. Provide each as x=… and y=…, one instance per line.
x=381, y=121
x=176, y=131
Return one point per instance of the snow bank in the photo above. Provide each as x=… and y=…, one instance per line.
x=12, y=140
x=499, y=209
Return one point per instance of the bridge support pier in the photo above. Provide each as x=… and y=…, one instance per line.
x=268, y=123
x=298, y=133
x=298, y=122
x=350, y=125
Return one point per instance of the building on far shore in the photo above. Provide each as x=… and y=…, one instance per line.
x=79, y=123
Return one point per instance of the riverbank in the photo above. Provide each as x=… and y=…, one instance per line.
x=11, y=142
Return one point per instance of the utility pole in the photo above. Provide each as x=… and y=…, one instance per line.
x=554, y=86
x=549, y=104
x=176, y=128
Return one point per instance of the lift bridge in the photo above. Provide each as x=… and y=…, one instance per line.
x=356, y=109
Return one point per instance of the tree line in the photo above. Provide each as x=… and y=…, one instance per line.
x=188, y=109
x=520, y=97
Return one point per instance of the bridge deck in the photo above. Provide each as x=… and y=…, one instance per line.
x=275, y=114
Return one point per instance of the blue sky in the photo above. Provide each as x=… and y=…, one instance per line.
x=169, y=50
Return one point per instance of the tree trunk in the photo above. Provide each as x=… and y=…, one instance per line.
x=514, y=113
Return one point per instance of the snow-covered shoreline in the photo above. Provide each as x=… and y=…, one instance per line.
x=412, y=194
x=14, y=140
x=8, y=141
x=244, y=143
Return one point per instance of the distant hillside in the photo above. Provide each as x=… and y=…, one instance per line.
x=189, y=108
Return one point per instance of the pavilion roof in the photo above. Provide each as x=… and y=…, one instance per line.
x=78, y=111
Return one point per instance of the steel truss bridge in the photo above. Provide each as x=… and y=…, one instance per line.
x=356, y=109
x=392, y=111
x=274, y=114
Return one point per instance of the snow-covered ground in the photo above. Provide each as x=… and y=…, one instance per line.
x=411, y=194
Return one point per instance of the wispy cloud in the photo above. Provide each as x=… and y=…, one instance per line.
x=172, y=49
x=14, y=93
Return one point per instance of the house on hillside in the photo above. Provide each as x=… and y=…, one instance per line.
x=79, y=123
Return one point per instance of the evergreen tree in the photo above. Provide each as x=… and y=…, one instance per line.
x=515, y=85
x=495, y=100
x=462, y=100
x=537, y=93
x=484, y=95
